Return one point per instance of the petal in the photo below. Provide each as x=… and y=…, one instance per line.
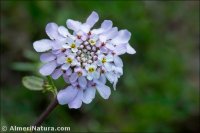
x=73, y=77
x=110, y=46
x=77, y=101
x=46, y=57
x=130, y=50
x=118, y=61
x=120, y=49
x=48, y=68
x=63, y=31
x=103, y=90
x=96, y=75
x=105, y=26
x=85, y=28
x=82, y=81
x=92, y=19
x=102, y=79
x=69, y=71
x=111, y=33
x=108, y=66
x=73, y=25
x=52, y=30
x=89, y=95
x=74, y=50
x=42, y=45
x=57, y=73
x=109, y=58
x=61, y=59
x=122, y=37
x=110, y=76
x=66, y=95
x=65, y=66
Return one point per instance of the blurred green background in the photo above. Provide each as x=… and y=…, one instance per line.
x=159, y=91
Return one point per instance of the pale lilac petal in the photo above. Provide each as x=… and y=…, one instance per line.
x=108, y=66
x=66, y=95
x=120, y=49
x=105, y=26
x=48, y=68
x=66, y=78
x=82, y=81
x=85, y=28
x=73, y=77
x=61, y=59
x=96, y=75
x=69, y=71
x=73, y=25
x=122, y=37
x=46, y=57
x=110, y=76
x=77, y=101
x=103, y=90
x=42, y=45
x=130, y=50
x=52, y=30
x=88, y=95
x=57, y=73
x=63, y=31
x=92, y=19
x=65, y=66
x=110, y=46
x=111, y=33
x=102, y=79
x=118, y=61
x=109, y=58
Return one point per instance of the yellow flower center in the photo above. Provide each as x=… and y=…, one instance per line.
x=91, y=69
x=79, y=74
x=69, y=60
x=92, y=42
x=73, y=45
x=103, y=60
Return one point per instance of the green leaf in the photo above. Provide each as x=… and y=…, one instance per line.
x=33, y=83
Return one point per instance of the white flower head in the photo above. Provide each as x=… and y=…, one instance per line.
x=85, y=59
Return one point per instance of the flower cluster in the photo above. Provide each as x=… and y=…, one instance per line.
x=86, y=59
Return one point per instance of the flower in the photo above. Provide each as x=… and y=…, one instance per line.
x=85, y=59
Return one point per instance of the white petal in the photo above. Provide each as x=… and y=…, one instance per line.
x=63, y=31
x=42, y=45
x=74, y=50
x=122, y=37
x=92, y=19
x=77, y=101
x=65, y=66
x=46, y=57
x=67, y=95
x=73, y=25
x=118, y=61
x=89, y=95
x=82, y=81
x=130, y=50
x=57, y=73
x=73, y=77
x=48, y=68
x=120, y=49
x=103, y=90
x=52, y=30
